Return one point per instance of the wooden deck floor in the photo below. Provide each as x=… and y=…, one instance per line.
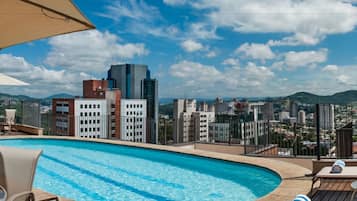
x=45, y=196
x=334, y=190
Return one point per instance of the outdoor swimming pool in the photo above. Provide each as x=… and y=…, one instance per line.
x=88, y=171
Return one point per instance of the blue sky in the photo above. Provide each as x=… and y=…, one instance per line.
x=201, y=48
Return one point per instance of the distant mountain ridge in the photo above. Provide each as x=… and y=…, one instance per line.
x=337, y=98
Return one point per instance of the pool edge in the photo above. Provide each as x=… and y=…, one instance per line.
x=292, y=176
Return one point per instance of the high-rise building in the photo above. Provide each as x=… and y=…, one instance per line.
x=327, y=117
x=301, y=117
x=293, y=108
x=151, y=96
x=202, y=120
x=203, y=107
x=133, y=118
x=218, y=132
x=129, y=79
x=268, y=111
x=134, y=82
x=283, y=116
x=188, y=123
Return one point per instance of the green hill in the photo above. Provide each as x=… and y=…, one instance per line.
x=338, y=98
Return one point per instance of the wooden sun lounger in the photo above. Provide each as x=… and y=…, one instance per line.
x=334, y=187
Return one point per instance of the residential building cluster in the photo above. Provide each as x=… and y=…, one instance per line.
x=124, y=106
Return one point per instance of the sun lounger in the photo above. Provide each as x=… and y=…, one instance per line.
x=17, y=172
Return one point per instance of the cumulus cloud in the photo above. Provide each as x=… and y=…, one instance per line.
x=308, y=21
x=256, y=51
x=211, y=54
x=191, y=45
x=231, y=62
x=42, y=80
x=330, y=68
x=196, y=76
x=90, y=50
x=293, y=59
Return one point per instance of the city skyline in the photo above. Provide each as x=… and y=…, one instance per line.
x=199, y=48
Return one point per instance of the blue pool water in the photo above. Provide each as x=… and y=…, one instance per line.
x=93, y=171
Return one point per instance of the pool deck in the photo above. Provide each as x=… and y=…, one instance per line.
x=293, y=176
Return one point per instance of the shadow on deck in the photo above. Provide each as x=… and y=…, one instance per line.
x=335, y=190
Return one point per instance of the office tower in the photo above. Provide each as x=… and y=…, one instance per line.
x=134, y=82
x=268, y=111
x=31, y=113
x=133, y=118
x=293, y=108
x=327, y=117
x=129, y=79
x=86, y=118
x=301, y=117
x=102, y=89
x=151, y=96
x=177, y=120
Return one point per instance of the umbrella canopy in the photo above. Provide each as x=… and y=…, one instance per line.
x=27, y=20
x=7, y=80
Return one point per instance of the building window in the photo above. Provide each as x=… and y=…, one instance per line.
x=81, y=114
x=90, y=129
x=85, y=129
x=81, y=106
x=85, y=106
x=98, y=129
x=98, y=121
x=86, y=122
x=98, y=113
x=81, y=121
x=90, y=121
x=81, y=130
x=98, y=106
x=94, y=106
x=90, y=106
x=85, y=114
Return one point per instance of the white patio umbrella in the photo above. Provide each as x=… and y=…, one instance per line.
x=7, y=80
x=27, y=20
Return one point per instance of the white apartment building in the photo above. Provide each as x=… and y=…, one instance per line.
x=133, y=120
x=201, y=123
x=301, y=117
x=91, y=118
x=327, y=117
x=190, y=124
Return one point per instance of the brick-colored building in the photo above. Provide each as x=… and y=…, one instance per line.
x=64, y=110
x=63, y=116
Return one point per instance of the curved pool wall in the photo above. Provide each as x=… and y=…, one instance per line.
x=96, y=171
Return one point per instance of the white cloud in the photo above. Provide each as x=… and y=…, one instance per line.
x=330, y=68
x=191, y=46
x=231, y=62
x=90, y=51
x=256, y=51
x=43, y=81
x=208, y=79
x=308, y=21
x=202, y=31
x=305, y=58
x=211, y=54
x=344, y=79
x=175, y=2
x=133, y=9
